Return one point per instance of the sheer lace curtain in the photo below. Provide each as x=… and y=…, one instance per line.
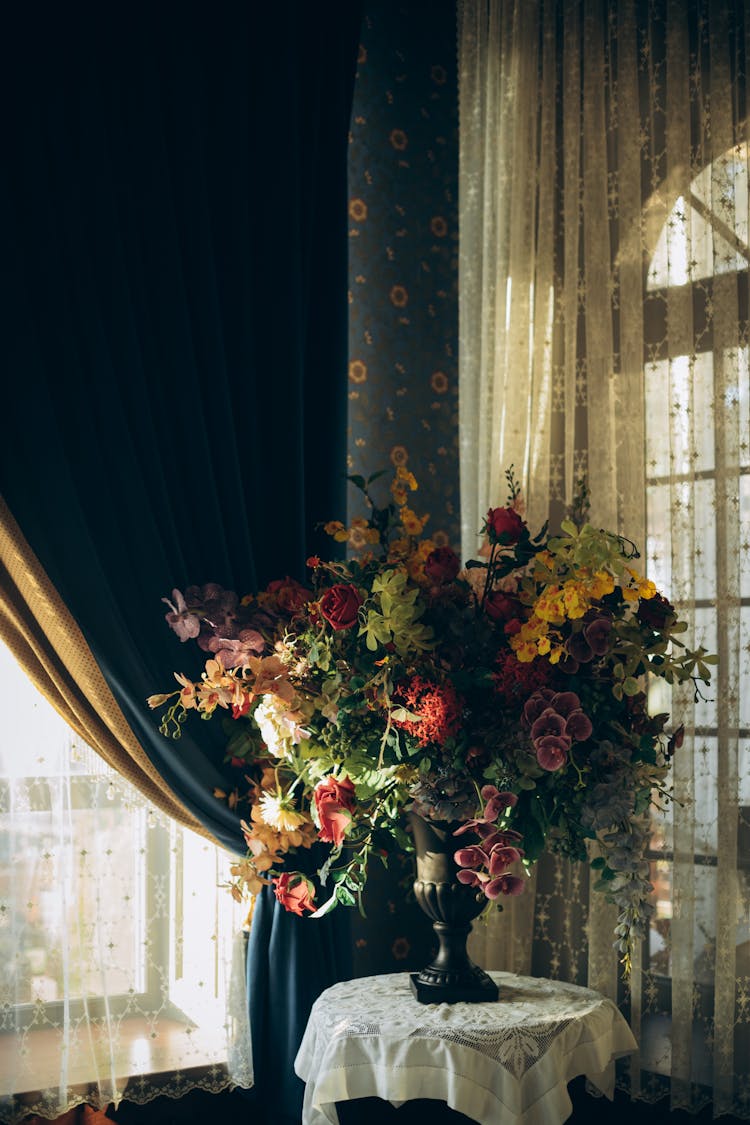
x=120, y=976
x=604, y=333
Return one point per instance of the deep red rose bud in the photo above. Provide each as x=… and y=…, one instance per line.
x=340, y=605
x=499, y=607
x=442, y=565
x=504, y=526
x=656, y=612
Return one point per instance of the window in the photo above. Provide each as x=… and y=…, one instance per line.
x=120, y=950
x=698, y=512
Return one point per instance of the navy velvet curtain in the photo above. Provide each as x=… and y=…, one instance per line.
x=173, y=336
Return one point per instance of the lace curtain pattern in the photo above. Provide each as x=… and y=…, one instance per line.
x=121, y=972
x=603, y=327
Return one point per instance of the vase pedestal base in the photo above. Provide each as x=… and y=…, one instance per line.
x=474, y=987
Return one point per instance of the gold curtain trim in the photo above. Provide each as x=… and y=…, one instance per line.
x=47, y=643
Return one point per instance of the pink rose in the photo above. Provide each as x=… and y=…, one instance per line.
x=294, y=892
x=504, y=526
x=340, y=605
x=334, y=803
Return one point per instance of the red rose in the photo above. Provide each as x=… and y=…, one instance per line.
x=442, y=565
x=335, y=803
x=504, y=525
x=340, y=605
x=290, y=595
x=499, y=607
x=655, y=612
x=294, y=892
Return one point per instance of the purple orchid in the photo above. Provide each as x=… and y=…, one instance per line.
x=186, y=624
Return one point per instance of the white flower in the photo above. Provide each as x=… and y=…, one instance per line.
x=279, y=726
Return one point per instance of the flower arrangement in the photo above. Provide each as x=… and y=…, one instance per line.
x=509, y=695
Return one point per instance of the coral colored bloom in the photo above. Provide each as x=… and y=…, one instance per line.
x=294, y=892
x=290, y=595
x=334, y=803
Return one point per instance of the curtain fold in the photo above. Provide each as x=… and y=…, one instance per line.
x=639, y=188
x=49, y=646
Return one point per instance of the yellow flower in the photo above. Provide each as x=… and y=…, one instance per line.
x=411, y=522
x=403, y=483
x=398, y=550
x=360, y=534
x=574, y=599
x=550, y=605
x=406, y=477
x=526, y=651
x=278, y=811
x=601, y=584
x=336, y=530
x=415, y=562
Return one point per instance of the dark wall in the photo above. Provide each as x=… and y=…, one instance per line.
x=403, y=247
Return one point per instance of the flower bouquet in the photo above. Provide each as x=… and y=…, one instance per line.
x=509, y=694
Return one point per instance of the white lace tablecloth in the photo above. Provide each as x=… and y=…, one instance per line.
x=507, y=1061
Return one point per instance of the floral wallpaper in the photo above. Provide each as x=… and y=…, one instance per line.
x=403, y=246
x=403, y=336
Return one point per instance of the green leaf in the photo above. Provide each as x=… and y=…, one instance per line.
x=326, y=907
x=344, y=896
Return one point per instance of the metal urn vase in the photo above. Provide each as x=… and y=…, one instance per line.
x=451, y=976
